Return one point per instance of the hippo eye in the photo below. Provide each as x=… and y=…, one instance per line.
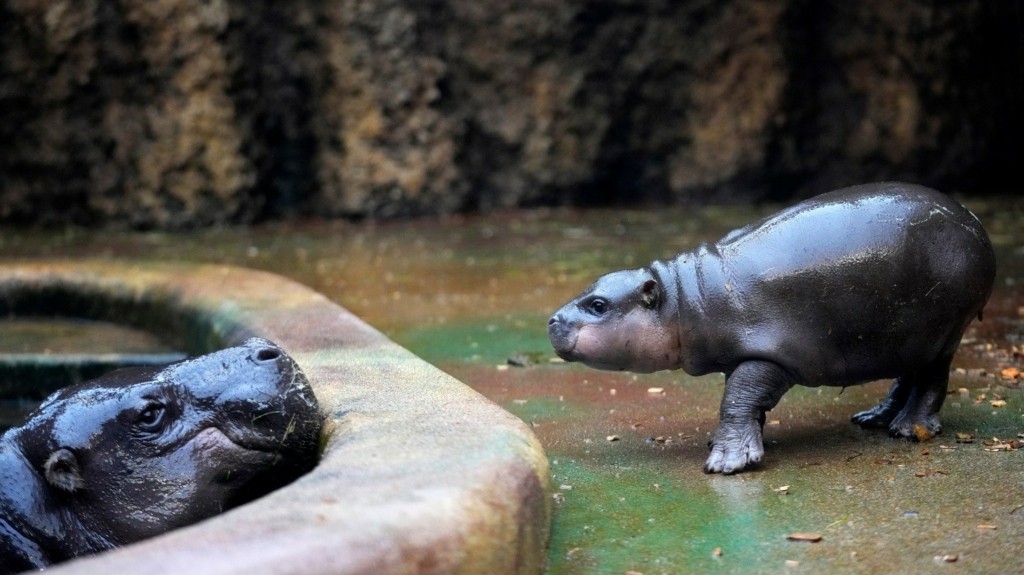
x=598, y=306
x=151, y=418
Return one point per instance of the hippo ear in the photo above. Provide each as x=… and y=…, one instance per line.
x=649, y=293
x=62, y=471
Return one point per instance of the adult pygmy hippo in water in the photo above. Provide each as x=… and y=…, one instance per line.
x=864, y=283
x=142, y=451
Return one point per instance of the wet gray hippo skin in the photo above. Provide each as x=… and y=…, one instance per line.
x=141, y=451
x=864, y=283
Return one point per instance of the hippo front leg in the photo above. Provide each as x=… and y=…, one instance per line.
x=753, y=388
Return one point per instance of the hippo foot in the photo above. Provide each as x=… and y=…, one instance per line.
x=916, y=428
x=733, y=450
x=878, y=417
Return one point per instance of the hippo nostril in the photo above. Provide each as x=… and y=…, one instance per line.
x=553, y=320
x=268, y=354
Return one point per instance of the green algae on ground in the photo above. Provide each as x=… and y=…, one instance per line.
x=491, y=342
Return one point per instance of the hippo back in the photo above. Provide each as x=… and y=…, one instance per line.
x=861, y=283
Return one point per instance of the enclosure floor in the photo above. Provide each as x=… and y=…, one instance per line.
x=468, y=294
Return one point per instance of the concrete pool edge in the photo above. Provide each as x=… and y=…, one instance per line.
x=420, y=474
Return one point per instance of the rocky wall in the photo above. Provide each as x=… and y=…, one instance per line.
x=180, y=113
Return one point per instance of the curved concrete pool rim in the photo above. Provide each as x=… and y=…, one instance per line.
x=420, y=475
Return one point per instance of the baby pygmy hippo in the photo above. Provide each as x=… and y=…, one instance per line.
x=141, y=451
x=864, y=283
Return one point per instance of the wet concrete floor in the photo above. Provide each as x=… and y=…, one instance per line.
x=470, y=294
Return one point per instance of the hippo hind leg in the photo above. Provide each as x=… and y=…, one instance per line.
x=751, y=389
x=919, y=418
x=883, y=414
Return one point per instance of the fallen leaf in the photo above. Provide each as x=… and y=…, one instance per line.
x=1010, y=373
x=716, y=552
x=655, y=390
x=998, y=403
x=792, y=563
x=800, y=536
x=613, y=438
x=987, y=526
x=951, y=558
x=996, y=444
x=964, y=438
x=784, y=490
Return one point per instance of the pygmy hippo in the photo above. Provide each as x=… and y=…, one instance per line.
x=863, y=283
x=141, y=451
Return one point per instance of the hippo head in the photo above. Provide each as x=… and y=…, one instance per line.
x=623, y=322
x=141, y=451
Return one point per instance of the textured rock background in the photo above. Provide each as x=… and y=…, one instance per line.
x=177, y=113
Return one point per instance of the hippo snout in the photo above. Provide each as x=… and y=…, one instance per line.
x=562, y=337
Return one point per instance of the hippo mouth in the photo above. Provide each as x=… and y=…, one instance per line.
x=290, y=432
x=566, y=352
x=213, y=440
